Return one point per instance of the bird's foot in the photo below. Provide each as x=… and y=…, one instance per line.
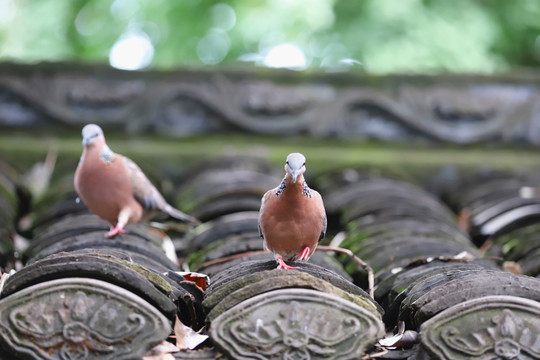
x=115, y=231
x=282, y=265
x=304, y=255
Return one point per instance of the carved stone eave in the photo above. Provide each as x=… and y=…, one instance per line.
x=491, y=327
x=459, y=109
x=296, y=324
x=79, y=318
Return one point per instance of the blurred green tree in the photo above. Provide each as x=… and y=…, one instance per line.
x=375, y=36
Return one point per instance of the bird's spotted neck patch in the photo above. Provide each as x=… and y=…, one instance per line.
x=306, y=190
x=107, y=155
x=282, y=187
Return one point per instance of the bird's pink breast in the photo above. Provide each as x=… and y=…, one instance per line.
x=104, y=189
x=289, y=224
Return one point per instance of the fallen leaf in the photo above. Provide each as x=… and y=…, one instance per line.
x=528, y=192
x=463, y=220
x=464, y=255
x=403, y=339
x=201, y=280
x=513, y=267
x=168, y=246
x=38, y=178
x=186, y=337
x=161, y=352
x=3, y=278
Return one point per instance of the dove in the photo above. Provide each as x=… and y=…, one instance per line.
x=113, y=187
x=292, y=218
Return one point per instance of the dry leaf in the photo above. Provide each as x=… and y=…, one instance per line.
x=186, y=337
x=528, y=192
x=513, y=267
x=37, y=179
x=464, y=217
x=168, y=246
x=201, y=280
x=3, y=278
x=403, y=339
x=161, y=352
x=166, y=243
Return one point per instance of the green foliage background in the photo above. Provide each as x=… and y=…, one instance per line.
x=381, y=36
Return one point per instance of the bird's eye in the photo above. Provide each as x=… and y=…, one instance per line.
x=304, y=164
x=287, y=162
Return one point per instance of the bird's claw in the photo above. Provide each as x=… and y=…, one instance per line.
x=282, y=265
x=115, y=231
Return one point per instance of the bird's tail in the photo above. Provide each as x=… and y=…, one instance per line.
x=177, y=214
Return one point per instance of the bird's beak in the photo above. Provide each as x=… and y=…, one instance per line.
x=85, y=141
x=294, y=174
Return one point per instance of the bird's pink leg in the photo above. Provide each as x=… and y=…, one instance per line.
x=118, y=229
x=304, y=255
x=123, y=218
x=282, y=265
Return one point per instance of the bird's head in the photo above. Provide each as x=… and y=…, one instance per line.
x=91, y=133
x=295, y=165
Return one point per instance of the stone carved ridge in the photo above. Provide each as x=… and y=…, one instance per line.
x=80, y=319
x=493, y=327
x=463, y=111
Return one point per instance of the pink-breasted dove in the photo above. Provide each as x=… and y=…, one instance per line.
x=292, y=219
x=113, y=187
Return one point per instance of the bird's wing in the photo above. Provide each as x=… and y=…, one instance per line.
x=317, y=197
x=149, y=197
x=143, y=190
x=263, y=201
x=265, y=197
x=323, y=232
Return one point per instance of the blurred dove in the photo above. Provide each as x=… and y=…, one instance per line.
x=113, y=187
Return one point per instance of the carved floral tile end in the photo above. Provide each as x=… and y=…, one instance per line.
x=490, y=328
x=77, y=318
